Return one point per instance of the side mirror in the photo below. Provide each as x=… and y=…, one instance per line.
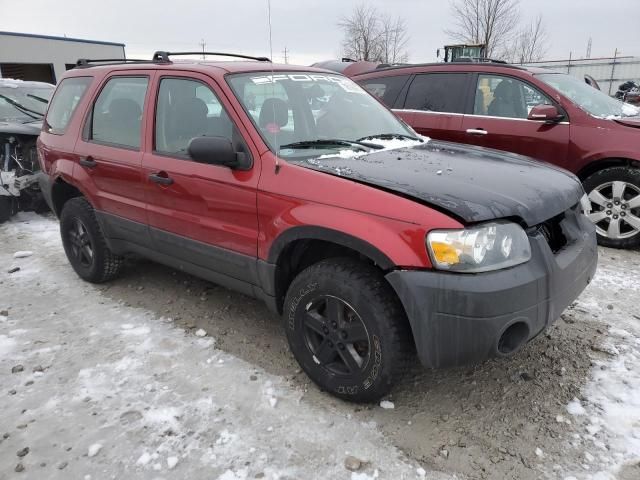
x=217, y=151
x=546, y=113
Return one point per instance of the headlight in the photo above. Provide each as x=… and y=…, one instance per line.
x=490, y=246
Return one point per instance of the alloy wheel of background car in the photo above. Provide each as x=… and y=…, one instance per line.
x=84, y=243
x=614, y=206
x=347, y=329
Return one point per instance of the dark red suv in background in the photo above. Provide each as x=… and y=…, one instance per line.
x=531, y=111
x=295, y=186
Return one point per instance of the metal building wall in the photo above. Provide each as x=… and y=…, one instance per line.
x=57, y=51
x=608, y=72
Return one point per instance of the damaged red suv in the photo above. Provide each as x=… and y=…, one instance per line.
x=295, y=186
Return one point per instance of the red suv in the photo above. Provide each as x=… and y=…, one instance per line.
x=295, y=186
x=531, y=111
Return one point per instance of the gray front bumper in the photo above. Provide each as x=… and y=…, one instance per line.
x=457, y=319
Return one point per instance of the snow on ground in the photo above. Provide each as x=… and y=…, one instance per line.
x=109, y=391
x=607, y=419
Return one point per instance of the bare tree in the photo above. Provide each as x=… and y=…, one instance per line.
x=362, y=34
x=370, y=36
x=531, y=43
x=490, y=22
x=394, y=40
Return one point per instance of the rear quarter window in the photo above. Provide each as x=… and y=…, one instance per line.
x=64, y=103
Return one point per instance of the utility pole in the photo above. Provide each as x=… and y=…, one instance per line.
x=202, y=44
x=286, y=56
x=613, y=67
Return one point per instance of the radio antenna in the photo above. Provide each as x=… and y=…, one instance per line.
x=273, y=86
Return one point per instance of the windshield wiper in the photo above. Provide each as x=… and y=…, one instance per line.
x=22, y=108
x=332, y=141
x=40, y=99
x=390, y=136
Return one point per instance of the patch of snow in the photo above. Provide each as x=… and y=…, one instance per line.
x=392, y=144
x=94, y=449
x=7, y=344
x=387, y=405
x=22, y=254
x=201, y=333
x=575, y=407
x=421, y=472
x=364, y=476
x=143, y=459
x=539, y=452
x=172, y=462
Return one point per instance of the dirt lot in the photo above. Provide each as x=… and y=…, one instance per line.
x=566, y=406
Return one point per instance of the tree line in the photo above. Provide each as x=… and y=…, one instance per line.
x=377, y=37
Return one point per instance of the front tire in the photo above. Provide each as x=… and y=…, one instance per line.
x=85, y=244
x=347, y=329
x=614, y=196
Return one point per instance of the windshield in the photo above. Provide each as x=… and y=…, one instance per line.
x=306, y=114
x=589, y=99
x=23, y=102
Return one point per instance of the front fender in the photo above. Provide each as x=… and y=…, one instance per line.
x=389, y=243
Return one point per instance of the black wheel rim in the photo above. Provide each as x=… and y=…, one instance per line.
x=80, y=243
x=336, y=336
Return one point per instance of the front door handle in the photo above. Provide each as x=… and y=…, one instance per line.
x=88, y=162
x=161, y=178
x=476, y=131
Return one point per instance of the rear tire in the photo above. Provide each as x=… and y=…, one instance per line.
x=347, y=329
x=85, y=244
x=614, y=195
x=6, y=208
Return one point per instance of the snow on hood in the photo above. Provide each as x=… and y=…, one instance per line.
x=386, y=145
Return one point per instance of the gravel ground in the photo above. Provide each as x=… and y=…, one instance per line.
x=566, y=406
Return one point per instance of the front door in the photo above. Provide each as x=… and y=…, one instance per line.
x=499, y=120
x=204, y=215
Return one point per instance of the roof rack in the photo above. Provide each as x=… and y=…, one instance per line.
x=89, y=62
x=477, y=60
x=162, y=56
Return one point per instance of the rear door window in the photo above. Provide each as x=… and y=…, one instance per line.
x=387, y=89
x=117, y=113
x=64, y=103
x=438, y=92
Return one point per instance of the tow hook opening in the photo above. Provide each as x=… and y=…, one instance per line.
x=513, y=338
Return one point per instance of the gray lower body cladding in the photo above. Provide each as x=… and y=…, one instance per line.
x=460, y=319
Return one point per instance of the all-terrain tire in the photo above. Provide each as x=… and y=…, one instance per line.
x=596, y=181
x=367, y=297
x=102, y=265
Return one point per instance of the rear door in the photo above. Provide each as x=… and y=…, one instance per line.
x=499, y=120
x=435, y=104
x=200, y=214
x=110, y=154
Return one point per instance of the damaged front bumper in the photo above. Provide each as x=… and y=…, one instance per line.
x=460, y=319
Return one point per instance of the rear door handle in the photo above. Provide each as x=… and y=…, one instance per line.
x=161, y=178
x=88, y=162
x=476, y=131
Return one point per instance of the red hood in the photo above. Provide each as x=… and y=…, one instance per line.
x=629, y=122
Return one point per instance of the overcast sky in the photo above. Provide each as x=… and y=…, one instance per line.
x=307, y=28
